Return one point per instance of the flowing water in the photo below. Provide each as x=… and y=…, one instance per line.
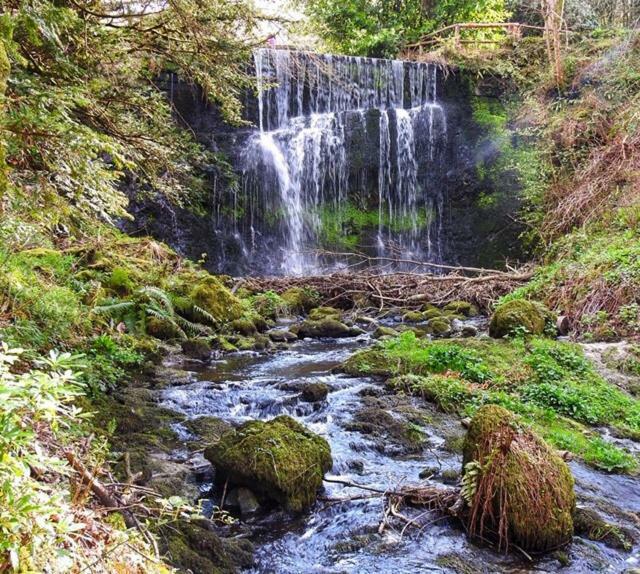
x=336, y=538
x=307, y=169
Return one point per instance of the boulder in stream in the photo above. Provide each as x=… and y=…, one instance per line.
x=519, y=491
x=329, y=327
x=279, y=459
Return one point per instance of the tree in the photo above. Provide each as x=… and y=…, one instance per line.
x=84, y=110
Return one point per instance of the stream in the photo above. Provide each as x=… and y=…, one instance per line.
x=342, y=537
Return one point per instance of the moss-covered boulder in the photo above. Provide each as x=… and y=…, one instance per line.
x=279, y=459
x=212, y=296
x=519, y=491
x=413, y=317
x=328, y=327
x=431, y=313
x=368, y=362
x=383, y=331
x=320, y=313
x=244, y=326
x=463, y=308
x=162, y=329
x=515, y=316
x=440, y=327
x=198, y=348
x=300, y=300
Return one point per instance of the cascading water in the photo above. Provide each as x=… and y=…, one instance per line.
x=309, y=182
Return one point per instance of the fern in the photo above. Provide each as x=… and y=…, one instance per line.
x=470, y=481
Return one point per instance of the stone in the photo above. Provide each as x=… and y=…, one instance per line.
x=383, y=331
x=246, y=502
x=320, y=313
x=282, y=336
x=515, y=484
x=431, y=313
x=463, y=308
x=468, y=331
x=520, y=316
x=279, y=459
x=315, y=392
x=440, y=327
x=244, y=326
x=413, y=317
x=323, y=328
x=197, y=348
x=428, y=472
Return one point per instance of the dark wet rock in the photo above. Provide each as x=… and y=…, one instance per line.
x=524, y=490
x=518, y=316
x=393, y=431
x=589, y=524
x=356, y=466
x=245, y=500
x=314, y=392
x=383, y=331
x=429, y=472
x=468, y=331
x=279, y=459
x=329, y=327
x=282, y=336
x=196, y=348
x=164, y=376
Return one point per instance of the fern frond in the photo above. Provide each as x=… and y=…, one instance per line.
x=205, y=314
x=112, y=309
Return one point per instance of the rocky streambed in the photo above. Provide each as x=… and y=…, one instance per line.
x=378, y=438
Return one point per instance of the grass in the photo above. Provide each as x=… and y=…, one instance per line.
x=550, y=384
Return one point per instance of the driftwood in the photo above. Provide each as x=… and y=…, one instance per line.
x=375, y=289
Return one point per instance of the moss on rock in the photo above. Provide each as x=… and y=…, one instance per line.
x=320, y=313
x=413, y=317
x=522, y=490
x=431, y=313
x=461, y=308
x=518, y=314
x=440, y=326
x=328, y=327
x=300, y=300
x=279, y=458
x=383, y=331
x=368, y=362
x=244, y=326
x=161, y=329
x=212, y=296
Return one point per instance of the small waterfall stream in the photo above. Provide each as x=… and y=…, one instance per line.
x=320, y=117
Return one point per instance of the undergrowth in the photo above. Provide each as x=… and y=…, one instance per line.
x=549, y=383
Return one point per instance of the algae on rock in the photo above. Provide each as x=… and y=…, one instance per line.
x=280, y=459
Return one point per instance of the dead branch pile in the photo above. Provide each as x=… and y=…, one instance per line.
x=370, y=289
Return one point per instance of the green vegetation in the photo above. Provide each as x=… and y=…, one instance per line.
x=550, y=384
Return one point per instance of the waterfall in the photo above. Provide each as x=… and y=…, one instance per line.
x=340, y=138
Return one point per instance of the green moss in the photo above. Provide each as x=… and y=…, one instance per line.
x=413, y=317
x=519, y=317
x=550, y=384
x=591, y=525
x=279, y=458
x=431, y=313
x=120, y=281
x=521, y=484
x=300, y=300
x=212, y=296
x=320, y=313
x=439, y=326
x=269, y=305
x=244, y=326
x=383, y=331
x=328, y=327
x=462, y=308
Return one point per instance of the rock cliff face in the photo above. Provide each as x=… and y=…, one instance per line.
x=345, y=154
